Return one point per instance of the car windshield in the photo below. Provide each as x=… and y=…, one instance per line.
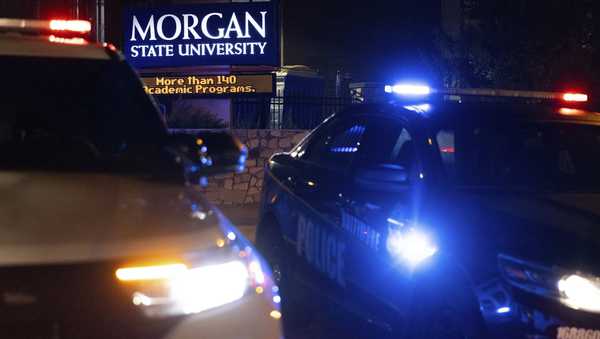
x=72, y=114
x=531, y=156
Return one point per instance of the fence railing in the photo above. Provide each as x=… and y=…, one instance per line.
x=284, y=112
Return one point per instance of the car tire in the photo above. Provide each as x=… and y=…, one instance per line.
x=444, y=305
x=269, y=241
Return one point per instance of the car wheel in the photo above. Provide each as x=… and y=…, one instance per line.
x=444, y=306
x=269, y=241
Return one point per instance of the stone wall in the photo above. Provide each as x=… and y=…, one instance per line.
x=244, y=188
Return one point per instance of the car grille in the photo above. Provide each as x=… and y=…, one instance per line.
x=71, y=301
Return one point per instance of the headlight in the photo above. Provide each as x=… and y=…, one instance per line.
x=411, y=246
x=203, y=288
x=580, y=293
x=176, y=289
x=573, y=290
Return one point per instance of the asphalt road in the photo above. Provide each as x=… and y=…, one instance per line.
x=331, y=324
x=245, y=218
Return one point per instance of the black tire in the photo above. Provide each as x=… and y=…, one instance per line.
x=444, y=305
x=269, y=241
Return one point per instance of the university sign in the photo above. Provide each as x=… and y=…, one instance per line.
x=194, y=35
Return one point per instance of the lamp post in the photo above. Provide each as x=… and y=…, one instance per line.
x=100, y=21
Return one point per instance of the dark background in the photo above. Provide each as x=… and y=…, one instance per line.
x=520, y=44
x=374, y=40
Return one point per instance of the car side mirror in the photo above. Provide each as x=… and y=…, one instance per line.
x=283, y=158
x=385, y=177
x=210, y=152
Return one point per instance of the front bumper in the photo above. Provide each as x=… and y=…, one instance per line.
x=247, y=318
x=73, y=302
x=511, y=312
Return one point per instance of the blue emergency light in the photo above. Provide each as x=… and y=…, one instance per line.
x=408, y=244
x=411, y=90
x=503, y=310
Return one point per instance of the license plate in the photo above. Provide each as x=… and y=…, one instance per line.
x=577, y=333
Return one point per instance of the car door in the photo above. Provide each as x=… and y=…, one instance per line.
x=325, y=173
x=317, y=181
x=369, y=211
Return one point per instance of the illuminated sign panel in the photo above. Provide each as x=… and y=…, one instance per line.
x=209, y=85
x=202, y=34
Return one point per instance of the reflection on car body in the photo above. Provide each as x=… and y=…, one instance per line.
x=321, y=249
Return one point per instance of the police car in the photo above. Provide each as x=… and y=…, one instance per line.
x=102, y=234
x=443, y=214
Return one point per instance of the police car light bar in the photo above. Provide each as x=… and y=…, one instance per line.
x=415, y=90
x=78, y=26
x=569, y=97
x=68, y=41
x=502, y=93
x=66, y=26
x=575, y=97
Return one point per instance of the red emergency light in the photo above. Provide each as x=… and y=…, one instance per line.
x=77, y=26
x=571, y=112
x=575, y=97
x=68, y=41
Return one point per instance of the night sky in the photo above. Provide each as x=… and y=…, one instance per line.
x=533, y=44
x=373, y=40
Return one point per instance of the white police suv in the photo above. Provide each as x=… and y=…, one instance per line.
x=102, y=234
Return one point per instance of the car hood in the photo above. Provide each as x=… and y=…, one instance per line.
x=50, y=218
x=552, y=229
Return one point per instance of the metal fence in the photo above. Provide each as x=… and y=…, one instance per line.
x=284, y=112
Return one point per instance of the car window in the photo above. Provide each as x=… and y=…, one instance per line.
x=389, y=143
x=66, y=114
x=533, y=156
x=445, y=141
x=337, y=144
